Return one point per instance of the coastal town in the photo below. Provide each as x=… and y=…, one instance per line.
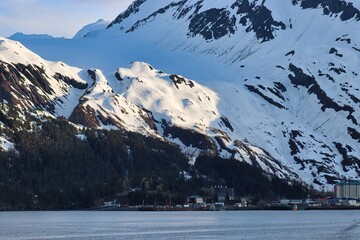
x=345, y=195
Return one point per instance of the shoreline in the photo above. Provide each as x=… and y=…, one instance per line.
x=185, y=209
x=174, y=209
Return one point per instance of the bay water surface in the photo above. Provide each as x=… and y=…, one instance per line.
x=96, y=225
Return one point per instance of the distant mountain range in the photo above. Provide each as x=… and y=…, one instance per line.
x=21, y=36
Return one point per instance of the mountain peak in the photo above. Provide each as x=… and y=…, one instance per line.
x=92, y=28
x=19, y=36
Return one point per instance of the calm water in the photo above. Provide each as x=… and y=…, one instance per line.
x=181, y=225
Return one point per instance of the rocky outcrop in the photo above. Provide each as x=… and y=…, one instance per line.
x=345, y=9
x=25, y=86
x=257, y=18
x=212, y=24
x=132, y=9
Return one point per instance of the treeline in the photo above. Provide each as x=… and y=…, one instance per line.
x=56, y=166
x=248, y=180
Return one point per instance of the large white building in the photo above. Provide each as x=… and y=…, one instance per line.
x=347, y=189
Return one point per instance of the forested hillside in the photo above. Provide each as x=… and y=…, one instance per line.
x=57, y=165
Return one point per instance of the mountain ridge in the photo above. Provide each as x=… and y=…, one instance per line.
x=286, y=80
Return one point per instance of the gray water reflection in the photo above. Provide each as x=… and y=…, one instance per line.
x=180, y=225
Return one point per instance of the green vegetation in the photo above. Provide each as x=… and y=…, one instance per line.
x=53, y=167
x=247, y=180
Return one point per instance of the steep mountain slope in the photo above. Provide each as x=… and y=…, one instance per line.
x=48, y=162
x=309, y=86
x=140, y=99
x=31, y=83
x=282, y=79
x=149, y=101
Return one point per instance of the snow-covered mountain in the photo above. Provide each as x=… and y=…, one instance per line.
x=29, y=82
x=274, y=83
x=100, y=24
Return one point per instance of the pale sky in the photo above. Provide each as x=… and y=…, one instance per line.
x=60, y=18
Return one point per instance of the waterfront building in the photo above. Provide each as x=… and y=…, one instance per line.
x=222, y=193
x=195, y=200
x=347, y=189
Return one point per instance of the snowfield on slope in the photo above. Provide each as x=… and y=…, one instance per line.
x=287, y=85
x=15, y=57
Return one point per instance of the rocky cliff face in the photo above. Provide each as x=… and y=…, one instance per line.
x=31, y=83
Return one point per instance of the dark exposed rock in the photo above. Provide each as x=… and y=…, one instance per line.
x=320, y=73
x=261, y=86
x=330, y=7
x=353, y=98
x=132, y=9
x=92, y=74
x=153, y=15
x=212, y=24
x=191, y=138
x=17, y=93
x=336, y=52
x=352, y=118
x=109, y=120
x=354, y=134
x=36, y=76
x=302, y=79
x=339, y=70
x=280, y=86
x=291, y=53
x=331, y=179
x=221, y=141
x=148, y=117
x=178, y=80
x=320, y=167
x=276, y=92
x=268, y=160
x=348, y=161
x=184, y=11
x=266, y=98
x=118, y=77
x=344, y=38
x=295, y=134
x=85, y=116
x=70, y=81
x=294, y=148
x=258, y=19
x=295, y=144
x=227, y=123
x=198, y=7
x=356, y=49
x=151, y=67
x=300, y=162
